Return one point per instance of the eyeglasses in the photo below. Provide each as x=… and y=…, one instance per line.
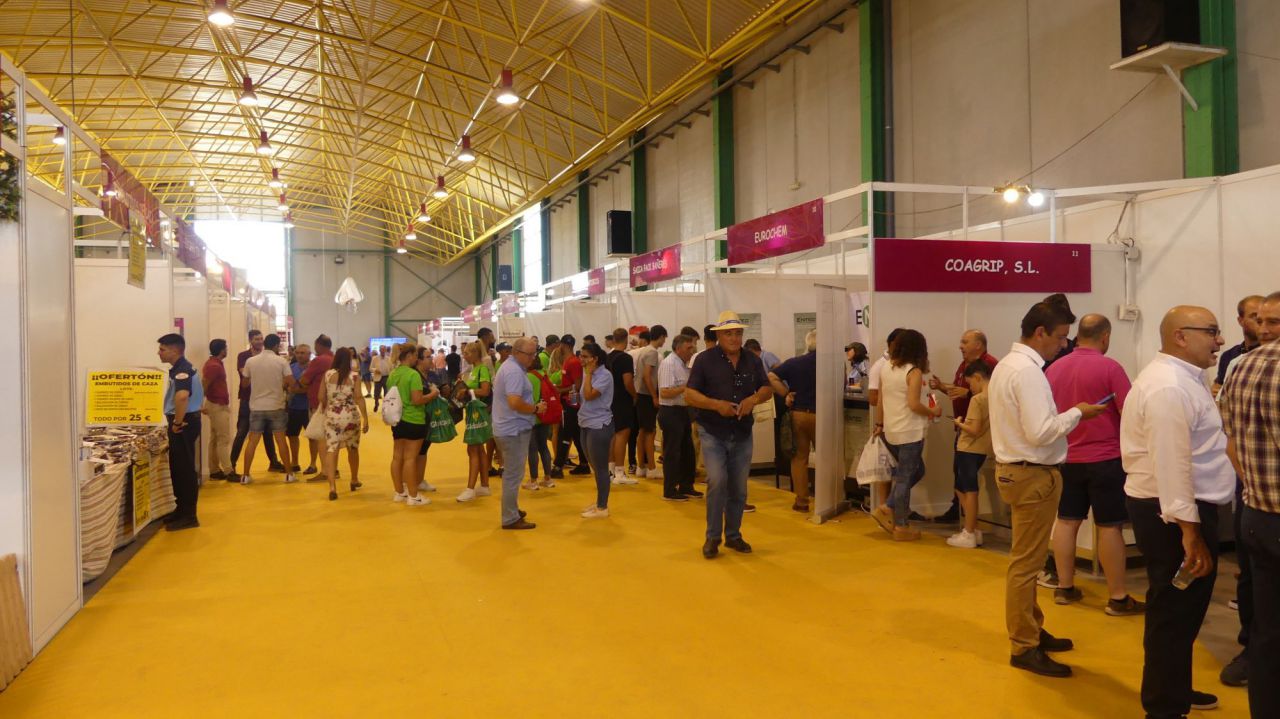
x=522, y=352
x=1211, y=331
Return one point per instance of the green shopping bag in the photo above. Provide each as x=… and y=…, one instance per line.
x=442, y=427
x=479, y=429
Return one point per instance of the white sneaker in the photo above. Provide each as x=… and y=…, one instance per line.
x=483, y=492
x=467, y=495
x=642, y=472
x=416, y=501
x=654, y=473
x=400, y=497
x=530, y=486
x=425, y=486
x=246, y=479
x=594, y=512
x=289, y=478
x=624, y=479
x=963, y=539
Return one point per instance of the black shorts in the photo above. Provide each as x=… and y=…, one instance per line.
x=408, y=430
x=646, y=413
x=422, y=452
x=297, y=422
x=967, y=466
x=624, y=415
x=1099, y=485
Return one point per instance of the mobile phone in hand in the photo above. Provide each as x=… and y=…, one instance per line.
x=1106, y=399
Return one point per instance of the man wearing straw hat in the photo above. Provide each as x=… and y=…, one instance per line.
x=724, y=385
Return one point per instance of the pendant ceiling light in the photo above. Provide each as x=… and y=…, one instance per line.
x=465, y=154
x=109, y=187
x=440, y=192
x=284, y=203
x=506, y=89
x=60, y=136
x=422, y=213
x=248, y=97
x=409, y=234
x=288, y=221
x=221, y=15
x=264, y=146
x=276, y=183
x=401, y=249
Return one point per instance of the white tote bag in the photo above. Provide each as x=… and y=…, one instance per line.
x=315, y=427
x=876, y=463
x=392, y=406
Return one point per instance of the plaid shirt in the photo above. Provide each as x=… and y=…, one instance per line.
x=1251, y=416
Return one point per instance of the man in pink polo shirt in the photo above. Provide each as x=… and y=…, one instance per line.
x=1093, y=476
x=313, y=375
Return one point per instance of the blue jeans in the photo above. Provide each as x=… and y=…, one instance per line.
x=907, y=474
x=596, y=442
x=515, y=450
x=728, y=461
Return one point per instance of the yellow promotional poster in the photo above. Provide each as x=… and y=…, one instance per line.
x=137, y=254
x=129, y=397
x=141, y=490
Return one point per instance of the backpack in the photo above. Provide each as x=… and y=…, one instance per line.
x=554, y=410
x=392, y=406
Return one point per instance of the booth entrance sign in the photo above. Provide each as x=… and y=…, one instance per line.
x=781, y=233
x=129, y=397
x=971, y=266
x=655, y=266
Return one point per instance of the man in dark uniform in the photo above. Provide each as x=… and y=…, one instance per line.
x=183, y=398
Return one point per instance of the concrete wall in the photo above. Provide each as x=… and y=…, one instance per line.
x=680, y=184
x=564, y=240
x=1258, y=51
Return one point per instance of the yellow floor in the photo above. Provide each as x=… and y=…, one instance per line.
x=287, y=605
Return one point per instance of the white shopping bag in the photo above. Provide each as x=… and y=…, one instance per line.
x=875, y=464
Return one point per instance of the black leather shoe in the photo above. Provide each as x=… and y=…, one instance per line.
x=181, y=524
x=710, y=548
x=523, y=513
x=738, y=545
x=691, y=493
x=519, y=524
x=1037, y=662
x=1050, y=643
x=580, y=470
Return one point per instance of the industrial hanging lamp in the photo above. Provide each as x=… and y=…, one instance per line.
x=60, y=136
x=422, y=213
x=440, y=192
x=248, y=97
x=284, y=203
x=276, y=183
x=264, y=145
x=506, y=89
x=221, y=15
x=465, y=154
x=409, y=234
x=288, y=221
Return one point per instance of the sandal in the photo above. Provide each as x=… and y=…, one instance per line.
x=356, y=485
x=801, y=507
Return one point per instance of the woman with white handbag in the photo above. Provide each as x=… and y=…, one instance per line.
x=345, y=418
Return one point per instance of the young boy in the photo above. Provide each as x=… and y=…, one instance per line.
x=971, y=452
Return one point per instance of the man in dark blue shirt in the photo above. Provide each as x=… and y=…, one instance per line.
x=725, y=384
x=183, y=399
x=797, y=380
x=1247, y=317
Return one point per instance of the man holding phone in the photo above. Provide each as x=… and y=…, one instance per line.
x=1093, y=477
x=1175, y=454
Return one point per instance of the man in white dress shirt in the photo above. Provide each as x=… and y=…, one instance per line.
x=1030, y=440
x=1175, y=454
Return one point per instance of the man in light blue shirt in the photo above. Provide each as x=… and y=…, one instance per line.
x=514, y=414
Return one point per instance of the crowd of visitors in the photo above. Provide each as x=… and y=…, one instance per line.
x=1070, y=436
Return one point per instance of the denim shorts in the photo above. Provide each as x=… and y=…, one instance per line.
x=272, y=421
x=968, y=465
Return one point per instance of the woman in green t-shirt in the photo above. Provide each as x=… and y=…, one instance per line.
x=411, y=430
x=477, y=381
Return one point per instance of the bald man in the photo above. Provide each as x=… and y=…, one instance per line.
x=1174, y=451
x=1093, y=477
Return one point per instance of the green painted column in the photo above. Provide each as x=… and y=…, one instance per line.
x=639, y=194
x=873, y=61
x=722, y=153
x=517, y=259
x=544, y=217
x=1211, y=135
x=584, y=221
x=493, y=273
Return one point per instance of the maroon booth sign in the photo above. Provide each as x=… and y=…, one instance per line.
x=781, y=233
x=655, y=266
x=595, y=282
x=469, y=314
x=964, y=266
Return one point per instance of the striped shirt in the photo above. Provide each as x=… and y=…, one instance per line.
x=1251, y=415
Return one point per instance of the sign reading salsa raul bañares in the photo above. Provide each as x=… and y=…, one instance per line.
x=663, y=264
x=132, y=397
x=972, y=266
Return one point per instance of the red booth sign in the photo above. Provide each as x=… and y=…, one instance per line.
x=655, y=266
x=469, y=314
x=781, y=233
x=964, y=266
x=595, y=282
x=510, y=304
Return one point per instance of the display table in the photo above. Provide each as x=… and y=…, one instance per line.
x=124, y=486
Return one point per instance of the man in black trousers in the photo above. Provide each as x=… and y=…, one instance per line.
x=183, y=398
